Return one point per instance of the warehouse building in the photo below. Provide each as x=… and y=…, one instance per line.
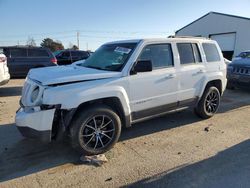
x=231, y=32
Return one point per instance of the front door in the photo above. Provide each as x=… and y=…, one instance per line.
x=156, y=91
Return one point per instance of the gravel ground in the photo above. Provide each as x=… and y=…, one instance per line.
x=176, y=150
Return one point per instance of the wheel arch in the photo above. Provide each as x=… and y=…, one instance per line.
x=216, y=83
x=113, y=102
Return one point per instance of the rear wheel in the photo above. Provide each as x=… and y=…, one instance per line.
x=209, y=103
x=95, y=130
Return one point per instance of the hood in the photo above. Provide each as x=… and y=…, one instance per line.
x=241, y=62
x=67, y=74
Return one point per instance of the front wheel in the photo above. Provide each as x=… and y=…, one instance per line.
x=95, y=130
x=209, y=103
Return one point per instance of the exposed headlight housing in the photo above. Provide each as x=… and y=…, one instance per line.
x=32, y=94
x=35, y=94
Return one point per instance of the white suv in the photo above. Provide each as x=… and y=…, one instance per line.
x=120, y=84
x=4, y=71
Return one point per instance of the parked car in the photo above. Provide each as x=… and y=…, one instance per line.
x=242, y=55
x=22, y=59
x=66, y=57
x=4, y=71
x=238, y=72
x=120, y=84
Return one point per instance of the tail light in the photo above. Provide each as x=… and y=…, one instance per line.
x=2, y=59
x=53, y=60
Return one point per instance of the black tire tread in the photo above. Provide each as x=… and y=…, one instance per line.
x=199, y=110
x=82, y=116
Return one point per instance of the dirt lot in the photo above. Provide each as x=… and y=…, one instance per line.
x=171, y=151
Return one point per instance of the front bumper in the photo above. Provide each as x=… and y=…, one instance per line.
x=35, y=123
x=239, y=80
x=5, y=81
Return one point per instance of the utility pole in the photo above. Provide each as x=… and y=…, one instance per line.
x=77, y=37
x=87, y=46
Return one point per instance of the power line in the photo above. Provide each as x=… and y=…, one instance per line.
x=92, y=32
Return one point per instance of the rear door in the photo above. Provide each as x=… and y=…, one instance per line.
x=191, y=72
x=37, y=57
x=17, y=61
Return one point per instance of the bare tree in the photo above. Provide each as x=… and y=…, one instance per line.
x=31, y=42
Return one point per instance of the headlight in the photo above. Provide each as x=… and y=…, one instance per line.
x=34, y=94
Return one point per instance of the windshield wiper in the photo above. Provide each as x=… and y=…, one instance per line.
x=93, y=67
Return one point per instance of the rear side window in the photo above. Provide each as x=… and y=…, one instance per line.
x=211, y=52
x=18, y=52
x=84, y=54
x=159, y=54
x=79, y=54
x=189, y=53
x=65, y=54
x=6, y=52
x=37, y=53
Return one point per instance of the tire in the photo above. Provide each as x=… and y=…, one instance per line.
x=209, y=103
x=95, y=130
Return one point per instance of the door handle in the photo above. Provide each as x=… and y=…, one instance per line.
x=201, y=71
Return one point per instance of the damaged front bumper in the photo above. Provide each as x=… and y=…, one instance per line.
x=35, y=123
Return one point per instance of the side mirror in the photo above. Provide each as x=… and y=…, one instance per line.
x=143, y=66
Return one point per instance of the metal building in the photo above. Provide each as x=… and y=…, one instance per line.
x=231, y=32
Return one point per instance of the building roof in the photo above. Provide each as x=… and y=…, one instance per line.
x=218, y=13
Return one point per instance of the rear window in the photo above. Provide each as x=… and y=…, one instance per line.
x=37, y=53
x=75, y=54
x=18, y=52
x=211, y=52
x=84, y=54
x=79, y=54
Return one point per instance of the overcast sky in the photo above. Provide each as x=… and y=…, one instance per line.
x=99, y=21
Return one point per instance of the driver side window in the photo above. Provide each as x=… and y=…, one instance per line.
x=160, y=55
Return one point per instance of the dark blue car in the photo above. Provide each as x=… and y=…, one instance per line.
x=238, y=72
x=23, y=58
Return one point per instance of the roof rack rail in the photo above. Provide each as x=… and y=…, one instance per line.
x=174, y=36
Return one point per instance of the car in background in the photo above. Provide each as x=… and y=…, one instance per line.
x=23, y=58
x=4, y=71
x=242, y=55
x=238, y=71
x=67, y=57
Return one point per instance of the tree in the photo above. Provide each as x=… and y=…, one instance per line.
x=52, y=45
x=31, y=42
x=73, y=46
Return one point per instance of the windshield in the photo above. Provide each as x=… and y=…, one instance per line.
x=57, y=52
x=110, y=57
x=244, y=55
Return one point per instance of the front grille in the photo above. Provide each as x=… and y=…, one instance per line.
x=240, y=70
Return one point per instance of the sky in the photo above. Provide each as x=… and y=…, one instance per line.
x=100, y=21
